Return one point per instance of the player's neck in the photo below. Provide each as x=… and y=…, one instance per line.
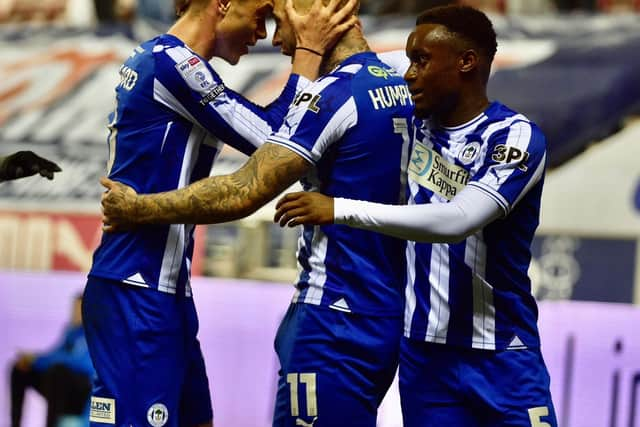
x=195, y=35
x=351, y=43
x=467, y=109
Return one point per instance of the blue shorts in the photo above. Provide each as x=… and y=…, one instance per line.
x=336, y=367
x=149, y=366
x=449, y=386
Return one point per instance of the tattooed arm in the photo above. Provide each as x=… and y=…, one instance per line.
x=268, y=172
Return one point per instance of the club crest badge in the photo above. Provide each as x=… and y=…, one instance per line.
x=469, y=153
x=158, y=415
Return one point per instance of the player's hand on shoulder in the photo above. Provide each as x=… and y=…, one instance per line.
x=307, y=208
x=322, y=27
x=27, y=163
x=118, y=206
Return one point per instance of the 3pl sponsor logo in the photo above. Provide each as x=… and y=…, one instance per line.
x=312, y=99
x=507, y=154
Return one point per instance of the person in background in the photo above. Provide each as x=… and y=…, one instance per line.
x=62, y=375
x=105, y=10
x=156, y=11
x=26, y=163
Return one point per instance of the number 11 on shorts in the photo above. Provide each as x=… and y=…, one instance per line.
x=309, y=382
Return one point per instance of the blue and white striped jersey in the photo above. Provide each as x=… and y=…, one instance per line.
x=477, y=293
x=170, y=104
x=353, y=125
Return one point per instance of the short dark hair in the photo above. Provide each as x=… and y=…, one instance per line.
x=466, y=22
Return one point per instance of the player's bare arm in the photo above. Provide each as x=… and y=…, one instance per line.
x=216, y=199
x=304, y=208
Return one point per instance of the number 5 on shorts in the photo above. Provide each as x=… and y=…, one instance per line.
x=536, y=413
x=309, y=380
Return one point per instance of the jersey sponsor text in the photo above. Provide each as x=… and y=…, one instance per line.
x=432, y=171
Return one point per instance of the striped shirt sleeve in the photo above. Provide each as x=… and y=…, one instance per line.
x=318, y=117
x=187, y=84
x=515, y=162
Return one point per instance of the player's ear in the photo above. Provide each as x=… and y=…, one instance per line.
x=468, y=61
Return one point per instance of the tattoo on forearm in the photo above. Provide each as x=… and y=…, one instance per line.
x=267, y=173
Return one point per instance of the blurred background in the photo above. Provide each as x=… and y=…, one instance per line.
x=573, y=67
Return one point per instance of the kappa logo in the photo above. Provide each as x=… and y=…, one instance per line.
x=422, y=159
x=158, y=415
x=303, y=423
x=433, y=172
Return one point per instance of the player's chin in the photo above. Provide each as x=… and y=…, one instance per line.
x=233, y=59
x=288, y=50
x=421, y=111
x=233, y=56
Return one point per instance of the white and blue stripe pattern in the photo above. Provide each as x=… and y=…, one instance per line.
x=356, y=153
x=476, y=293
x=172, y=116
